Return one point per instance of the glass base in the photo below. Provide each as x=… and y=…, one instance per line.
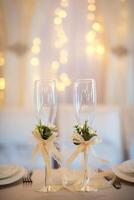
x=80, y=188
x=85, y=188
x=50, y=188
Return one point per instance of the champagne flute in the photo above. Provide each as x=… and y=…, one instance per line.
x=45, y=100
x=85, y=100
x=84, y=103
x=46, y=106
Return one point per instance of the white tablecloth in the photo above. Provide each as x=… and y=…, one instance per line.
x=18, y=191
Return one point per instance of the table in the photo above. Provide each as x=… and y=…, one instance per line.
x=18, y=191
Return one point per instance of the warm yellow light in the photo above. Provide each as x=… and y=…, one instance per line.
x=90, y=36
x=35, y=49
x=61, y=13
x=34, y=61
x=97, y=26
x=55, y=65
x=2, y=61
x=65, y=79
x=100, y=49
x=57, y=20
x=2, y=83
x=36, y=41
x=90, y=50
x=92, y=7
x=60, y=86
x=91, y=16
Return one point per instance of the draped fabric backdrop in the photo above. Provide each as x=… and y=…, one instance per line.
x=28, y=22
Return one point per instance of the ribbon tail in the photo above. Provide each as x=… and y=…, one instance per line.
x=35, y=151
x=73, y=156
x=98, y=157
x=46, y=158
x=56, y=153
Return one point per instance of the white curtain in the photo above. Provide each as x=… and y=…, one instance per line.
x=120, y=68
x=25, y=20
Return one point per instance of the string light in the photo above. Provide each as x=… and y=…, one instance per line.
x=100, y=49
x=2, y=83
x=60, y=42
x=93, y=37
x=35, y=49
x=90, y=50
x=65, y=79
x=90, y=36
x=92, y=7
x=57, y=20
x=2, y=61
x=60, y=86
x=60, y=13
x=34, y=61
x=97, y=26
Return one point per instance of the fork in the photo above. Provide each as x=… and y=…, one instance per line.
x=27, y=179
x=116, y=184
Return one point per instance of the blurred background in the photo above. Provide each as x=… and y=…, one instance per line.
x=66, y=40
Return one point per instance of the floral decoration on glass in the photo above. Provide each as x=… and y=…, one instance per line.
x=45, y=132
x=84, y=136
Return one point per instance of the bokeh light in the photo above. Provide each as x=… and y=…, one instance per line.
x=35, y=49
x=34, y=61
x=97, y=27
x=100, y=49
x=91, y=7
x=2, y=61
x=2, y=83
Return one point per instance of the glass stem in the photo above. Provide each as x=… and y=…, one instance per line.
x=45, y=175
x=85, y=180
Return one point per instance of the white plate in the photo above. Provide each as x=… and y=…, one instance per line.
x=127, y=166
x=125, y=176
x=18, y=175
x=8, y=170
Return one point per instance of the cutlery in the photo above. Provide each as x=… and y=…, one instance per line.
x=116, y=183
x=27, y=179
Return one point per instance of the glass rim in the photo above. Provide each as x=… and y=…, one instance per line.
x=86, y=79
x=45, y=80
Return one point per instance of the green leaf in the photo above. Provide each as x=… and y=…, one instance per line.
x=85, y=131
x=45, y=131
